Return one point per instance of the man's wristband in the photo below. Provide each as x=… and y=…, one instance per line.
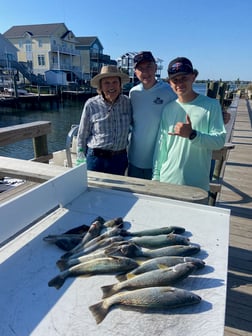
x=192, y=135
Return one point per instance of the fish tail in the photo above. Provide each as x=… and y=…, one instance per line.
x=99, y=311
x=108, y=291
x=57, y=281
x=62, y=264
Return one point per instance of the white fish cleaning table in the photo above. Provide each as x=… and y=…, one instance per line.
x=29, y=307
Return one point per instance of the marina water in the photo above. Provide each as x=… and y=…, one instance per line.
x=62, y=117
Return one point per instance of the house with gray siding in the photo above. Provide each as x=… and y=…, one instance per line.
x=92, y=57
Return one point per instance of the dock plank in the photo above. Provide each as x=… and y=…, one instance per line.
x=236, y=195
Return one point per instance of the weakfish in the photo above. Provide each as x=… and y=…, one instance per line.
x=145, y=299
x=162, y=263
x=160, y=240
x=121, y=248
x=94, y=231
x=102, y=266
x=174, y=250
x=100, y=244
x=158, y=231
x=160, y=277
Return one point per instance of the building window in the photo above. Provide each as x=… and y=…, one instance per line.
x=28, y=47
x=41, y=60
x=40, y=43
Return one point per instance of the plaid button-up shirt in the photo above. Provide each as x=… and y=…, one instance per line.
x=104, y=125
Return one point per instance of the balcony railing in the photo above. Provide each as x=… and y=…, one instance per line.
x=65, y=50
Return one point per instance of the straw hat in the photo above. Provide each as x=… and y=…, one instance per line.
x=109, y=71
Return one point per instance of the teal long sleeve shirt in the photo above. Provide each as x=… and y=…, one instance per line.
x=178, y=160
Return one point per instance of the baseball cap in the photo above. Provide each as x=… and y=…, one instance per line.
x=180, y=66
x=143, y=56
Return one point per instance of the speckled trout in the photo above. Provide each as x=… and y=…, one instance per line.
x=157, y=231
x=174, y=250
x=94, y=231
x=107, y=265
x=160, y=277
x=159, y=241
x=164, y=262
x=121, y=248
x=145, y=299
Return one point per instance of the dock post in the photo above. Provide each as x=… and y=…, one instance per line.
x=40, y=146
x=212, y=89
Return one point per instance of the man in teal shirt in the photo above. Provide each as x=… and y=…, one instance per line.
x=148, y=99
x=191, y=128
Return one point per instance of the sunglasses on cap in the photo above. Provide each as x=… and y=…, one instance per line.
x=180, y=67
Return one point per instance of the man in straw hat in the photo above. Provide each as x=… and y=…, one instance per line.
x=191, y=128
x=105, y=122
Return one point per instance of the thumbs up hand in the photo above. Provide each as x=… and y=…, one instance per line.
x=188, y=120
x=183, y=129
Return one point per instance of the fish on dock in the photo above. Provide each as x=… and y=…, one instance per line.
x=174, y=250
x=159, y=241
x=82, y=229
x=94, y=231
x=157, y=299
x=99, y=266
x=162, y=263
x=68, y=240
x=99, y=245
x=108, y=233
x=121, y=248
x=159, y=277
x=158, y=231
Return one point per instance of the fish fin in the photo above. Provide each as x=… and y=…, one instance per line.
x=57, y=281
x=121, y=277
x=162, y=266
x=50, y=239
x=99, y=311
x=62, y=264
x=81, y=230
x=140, y=262
x=130, y=276
x=107, y=291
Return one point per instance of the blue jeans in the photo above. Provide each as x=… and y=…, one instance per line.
x=134, y=171
x=115, y=164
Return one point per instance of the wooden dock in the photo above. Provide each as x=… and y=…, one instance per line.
x=236, y=194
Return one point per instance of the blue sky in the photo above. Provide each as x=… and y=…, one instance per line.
x=216, y=35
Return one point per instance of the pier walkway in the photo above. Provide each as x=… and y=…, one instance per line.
x=236, y=194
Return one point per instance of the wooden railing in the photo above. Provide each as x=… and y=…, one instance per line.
x=37, y=131
x=220, y=156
